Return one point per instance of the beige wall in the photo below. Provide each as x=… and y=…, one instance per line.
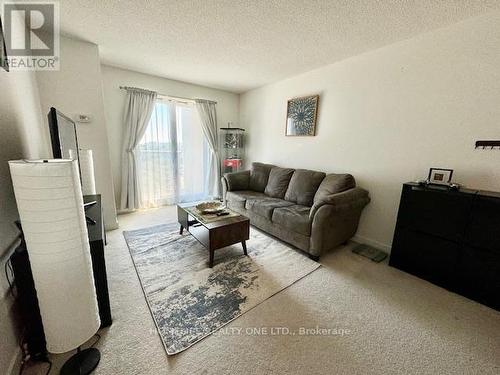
x=24, y=102
x=114, y=100
x=23, y=135
x=77, y=89
x=389, y=115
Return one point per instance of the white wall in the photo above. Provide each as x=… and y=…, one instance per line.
x=75, y=89
x=389, y=115
x=22, y=136
x=114, y=99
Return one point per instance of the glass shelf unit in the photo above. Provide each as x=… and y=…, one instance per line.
x=232, y=149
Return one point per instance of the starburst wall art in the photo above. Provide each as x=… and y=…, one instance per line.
x=301, y=115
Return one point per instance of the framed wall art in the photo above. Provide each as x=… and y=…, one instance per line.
x=301, y=116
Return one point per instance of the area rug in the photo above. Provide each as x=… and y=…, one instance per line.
x=188, y=300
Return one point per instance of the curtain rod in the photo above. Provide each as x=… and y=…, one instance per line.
x=165, y=95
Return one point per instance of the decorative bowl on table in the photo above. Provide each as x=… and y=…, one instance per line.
x=210, y=207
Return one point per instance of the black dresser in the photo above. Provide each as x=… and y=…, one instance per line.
x=450, y=238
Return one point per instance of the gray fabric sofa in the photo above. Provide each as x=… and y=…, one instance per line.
x=311, y=210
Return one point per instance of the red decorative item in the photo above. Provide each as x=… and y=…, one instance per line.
x=233, y=163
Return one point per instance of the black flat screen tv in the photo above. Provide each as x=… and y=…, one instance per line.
x=4, y=61
x=63, y=136
x=65, y=144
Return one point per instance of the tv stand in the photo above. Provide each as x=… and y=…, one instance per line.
x=89, y=203
x=97, y=241
x=88, y=219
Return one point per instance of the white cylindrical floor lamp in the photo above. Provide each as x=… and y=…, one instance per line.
x=50, y=204
x=87, y=172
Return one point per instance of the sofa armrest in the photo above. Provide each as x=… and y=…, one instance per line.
x=351, y=199
x=237, y=180
x=335, y=219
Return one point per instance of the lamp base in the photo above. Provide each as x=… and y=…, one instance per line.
x=82, y=363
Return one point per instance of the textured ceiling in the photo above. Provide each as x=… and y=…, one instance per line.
x=238, y=45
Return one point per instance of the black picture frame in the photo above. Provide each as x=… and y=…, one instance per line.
x=4, y=61
x=433, y=181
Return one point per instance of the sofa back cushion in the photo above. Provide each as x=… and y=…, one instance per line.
x=278, y=182
x=303, y=186
x=333, y=184
x=237, y=180
x=259, y=176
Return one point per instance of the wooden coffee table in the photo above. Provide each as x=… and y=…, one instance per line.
x=217, y=234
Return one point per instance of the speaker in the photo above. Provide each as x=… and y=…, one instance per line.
x=27, y=301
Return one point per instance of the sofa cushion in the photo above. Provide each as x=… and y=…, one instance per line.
x=294, y=218
x=296, y=239
x=278, y=182
x=303, y=186
x=265, y=206
x=237, y=180
x=333, y=184
x=239, y=198
x=259, y=176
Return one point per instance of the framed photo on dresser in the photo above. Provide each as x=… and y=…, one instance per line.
x=440, y=176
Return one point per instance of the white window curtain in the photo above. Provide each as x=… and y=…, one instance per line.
x=173, y=156
x=138, y=109
x=208, y=116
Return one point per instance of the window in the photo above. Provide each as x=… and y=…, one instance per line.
x=172, y=157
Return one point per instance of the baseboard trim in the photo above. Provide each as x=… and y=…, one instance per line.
x=371, y=242
x=111, y=226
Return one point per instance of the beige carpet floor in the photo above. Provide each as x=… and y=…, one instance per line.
x=397, y=324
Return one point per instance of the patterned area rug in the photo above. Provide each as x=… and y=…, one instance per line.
x=188, y=300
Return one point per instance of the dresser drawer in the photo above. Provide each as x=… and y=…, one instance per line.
x=440, y=213
x=483, y=230
x=479, y=276
x=429, y=257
